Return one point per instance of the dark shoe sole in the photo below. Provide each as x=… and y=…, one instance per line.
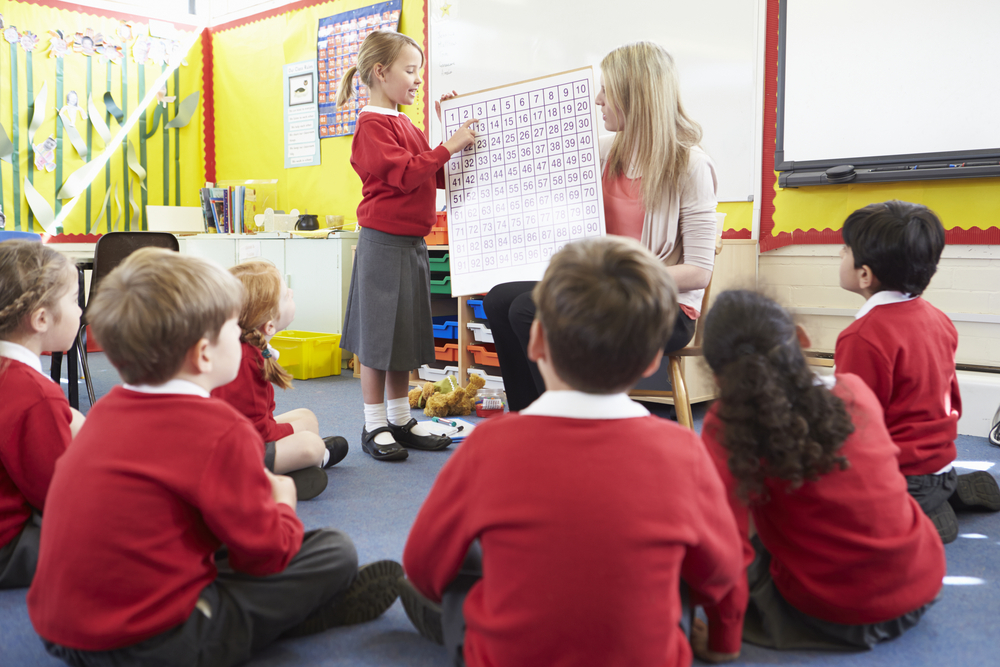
x=427, y=443
x=368, y=444
x=370, y=594
x=944, y=519
x=309, y=482
x=338, y=448
x=424, y=614
x=976, y=491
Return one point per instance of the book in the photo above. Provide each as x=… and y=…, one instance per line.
x=219, y=209
x=205, y=194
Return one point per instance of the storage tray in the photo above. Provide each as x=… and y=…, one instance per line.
x=477, y=308
x=445, y=327
x=446, y=352
x=442, y=286
x=484, y=356
x=482, y=333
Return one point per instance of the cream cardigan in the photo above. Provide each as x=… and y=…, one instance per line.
x=683, y=231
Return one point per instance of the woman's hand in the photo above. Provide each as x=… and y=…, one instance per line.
x=699, y=645
x=437, y=105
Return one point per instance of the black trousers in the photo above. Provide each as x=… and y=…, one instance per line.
x=19, y=557
x=237, y=615
x=510, y=311
x=931, y=491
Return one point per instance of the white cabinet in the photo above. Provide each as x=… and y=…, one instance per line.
x=318, y=270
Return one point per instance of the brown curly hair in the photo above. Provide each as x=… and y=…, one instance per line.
x=777, y=421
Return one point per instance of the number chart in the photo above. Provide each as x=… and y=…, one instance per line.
x=528, y=185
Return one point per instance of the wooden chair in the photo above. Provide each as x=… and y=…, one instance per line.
x=678, y=392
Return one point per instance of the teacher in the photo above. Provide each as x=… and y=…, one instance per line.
x=659, y=188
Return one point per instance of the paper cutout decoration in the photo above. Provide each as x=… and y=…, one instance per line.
x=184, y=113
x=29, y=41
x=87, y=42
x=111, y=52
x=140, y=50
x=72, y=107
x=113, y=109
x=11, y=34
x=1, y=28
x=74, y=138
x=135, y=165
x=175, y=54
x=58, y=46
x=6, y=145
x=45, y=155
x=126, y=30
x=40, y=207
x=98, y=122
x=157, y=52
x=38, y=115
x=162, y=98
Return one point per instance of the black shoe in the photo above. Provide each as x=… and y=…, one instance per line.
x=404, y=436
x=945, y=521
x=976, y=491
x=309, y=482
x=424, y=614
x=391, y=452
x=370, y=594
x=338, y=448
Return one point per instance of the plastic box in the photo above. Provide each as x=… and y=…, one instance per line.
x=481, y=332
x=446, y=352
x=477, y=308
x=445, y=327
x=439, y=232
x=307, y=355
x=435, y=374
x=442, y=286
x=484, y=356
x=440, y=264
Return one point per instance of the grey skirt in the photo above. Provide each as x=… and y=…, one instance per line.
x=388, y=316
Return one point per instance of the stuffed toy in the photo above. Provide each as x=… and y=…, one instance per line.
x=447, y=398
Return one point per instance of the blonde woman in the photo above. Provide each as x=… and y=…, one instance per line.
x=659, y=188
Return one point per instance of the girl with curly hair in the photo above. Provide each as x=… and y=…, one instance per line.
x=843, y=557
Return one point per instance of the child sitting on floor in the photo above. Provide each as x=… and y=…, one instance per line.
x=292, y=442
x=588, y=510
x=39, y=313
x=843, y=557
x=904, y=349
x=161, y=477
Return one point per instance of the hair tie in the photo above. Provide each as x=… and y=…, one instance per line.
x=744, y=349
x=266, y=352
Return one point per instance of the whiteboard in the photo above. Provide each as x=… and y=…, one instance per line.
x=885, y=80
x=479, y=44
x=529, y=184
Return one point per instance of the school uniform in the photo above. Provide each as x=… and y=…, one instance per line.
x=158, y=479
x=844, y=561
x=35, y=431
x=388, y=316
x=588, y=511
x=253, y=395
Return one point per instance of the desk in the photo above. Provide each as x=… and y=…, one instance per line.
x=82, y=255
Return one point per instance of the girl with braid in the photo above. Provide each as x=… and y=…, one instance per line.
x=38, y=313
x=843, y=556
x=293, y=445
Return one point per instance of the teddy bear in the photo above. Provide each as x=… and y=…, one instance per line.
x=447, y=398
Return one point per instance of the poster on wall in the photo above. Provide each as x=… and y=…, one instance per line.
x=339, y=38
x=301, y=115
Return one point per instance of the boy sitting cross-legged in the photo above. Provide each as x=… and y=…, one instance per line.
x=588, y=510
x=166, y=541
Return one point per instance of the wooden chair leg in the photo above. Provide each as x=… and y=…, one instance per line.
x=682, y=403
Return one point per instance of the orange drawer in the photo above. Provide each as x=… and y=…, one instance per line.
x=447, y=352
x=484, y=355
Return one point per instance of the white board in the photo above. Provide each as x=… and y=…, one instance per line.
x=479, y=44
x=528, y=185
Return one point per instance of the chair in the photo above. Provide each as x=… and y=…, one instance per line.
x=112, y=248
x=678, y=393
x=11, y=235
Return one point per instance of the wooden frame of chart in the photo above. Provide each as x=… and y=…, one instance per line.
x=529, y=184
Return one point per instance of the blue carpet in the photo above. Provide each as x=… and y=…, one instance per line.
x=375, y=503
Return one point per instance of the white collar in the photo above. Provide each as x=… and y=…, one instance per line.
x=175, y=386
x=882, y=298
x=21, y=353
x=382, y=110
x=580, y=405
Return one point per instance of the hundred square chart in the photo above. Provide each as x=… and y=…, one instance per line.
x=528, y=185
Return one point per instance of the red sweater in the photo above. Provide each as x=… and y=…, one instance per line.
x=253, y=396
x=852, y=547
x=906, y=353
x=400, y=174
x=34, y=432
x=152, y=486
x=586, y=528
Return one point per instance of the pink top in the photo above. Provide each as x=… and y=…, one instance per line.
x=623, y=209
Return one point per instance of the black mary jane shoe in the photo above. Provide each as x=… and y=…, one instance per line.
x=338, y=448
x=404, y=435
x=391, y=452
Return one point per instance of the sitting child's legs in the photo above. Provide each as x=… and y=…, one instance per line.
x=301, y=449
x=301, y=418
x=19, y=557
x=932, y=493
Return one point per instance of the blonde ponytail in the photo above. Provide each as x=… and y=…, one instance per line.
x=346, y=90
x=380, y=47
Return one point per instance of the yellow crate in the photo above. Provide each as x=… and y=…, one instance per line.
x=307, y=355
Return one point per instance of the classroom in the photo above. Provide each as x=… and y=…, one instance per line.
x=213, y=128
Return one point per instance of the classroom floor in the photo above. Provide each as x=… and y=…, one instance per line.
x=375, y=503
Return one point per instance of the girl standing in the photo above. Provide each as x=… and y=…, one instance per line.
x=293, y=445
x=388, y=320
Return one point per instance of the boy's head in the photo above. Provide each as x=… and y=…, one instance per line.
x=900, y=243
x=607, y=308
x=152, y=310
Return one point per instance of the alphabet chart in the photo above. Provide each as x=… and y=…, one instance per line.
x=528, y=185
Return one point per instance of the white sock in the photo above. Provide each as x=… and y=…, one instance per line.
x=399, y=414
x=375, y=417
x=326, y=457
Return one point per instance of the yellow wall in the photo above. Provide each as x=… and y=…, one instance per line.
x=39, y=20
x=249, y=120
